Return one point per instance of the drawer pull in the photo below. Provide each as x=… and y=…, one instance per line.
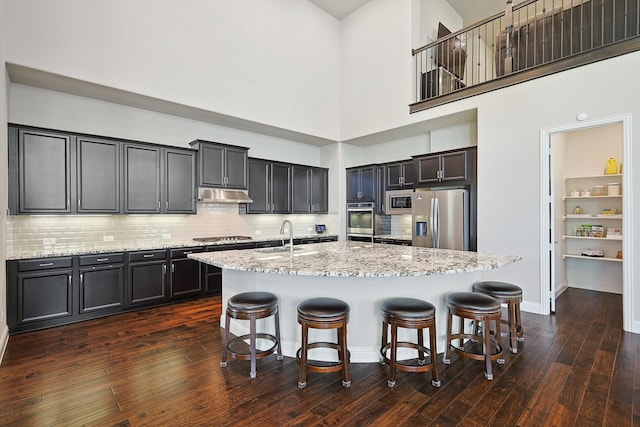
x=187, y=252
x=102, y=259
x=148, y=255
x=46, y=264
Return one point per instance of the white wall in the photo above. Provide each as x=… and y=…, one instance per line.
x=269, y=61
x=4, y=83
x=376, y=68
x=50, y=109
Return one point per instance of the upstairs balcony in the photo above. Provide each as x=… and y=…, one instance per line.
x=532, y=39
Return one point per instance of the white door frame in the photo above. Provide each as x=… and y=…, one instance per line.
x=627, y=213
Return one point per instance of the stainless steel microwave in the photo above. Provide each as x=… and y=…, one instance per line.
x=398, y=202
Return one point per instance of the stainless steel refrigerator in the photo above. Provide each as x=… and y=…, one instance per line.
x=440, y=219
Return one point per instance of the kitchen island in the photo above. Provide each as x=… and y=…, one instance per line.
x=362, y=274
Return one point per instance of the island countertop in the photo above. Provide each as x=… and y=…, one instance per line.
x=355, y=259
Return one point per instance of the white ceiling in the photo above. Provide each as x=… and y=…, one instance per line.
x=338, y=8
x=471, y=10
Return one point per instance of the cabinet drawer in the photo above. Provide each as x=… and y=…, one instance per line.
x=101, y=259
x=44, y=263
x=183, y=252
x=147, y=255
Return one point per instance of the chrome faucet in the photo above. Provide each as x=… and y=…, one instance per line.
x=285, y=222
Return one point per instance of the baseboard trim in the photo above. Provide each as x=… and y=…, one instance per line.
x=4, y=340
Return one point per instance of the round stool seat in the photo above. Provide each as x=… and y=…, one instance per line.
x=407, y=308
x=320, y=308
x=498, y=289
x=472, y=301
x=252, y=301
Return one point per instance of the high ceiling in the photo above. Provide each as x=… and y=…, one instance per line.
x=471, y=10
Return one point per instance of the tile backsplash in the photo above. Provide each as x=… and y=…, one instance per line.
x=26, y=233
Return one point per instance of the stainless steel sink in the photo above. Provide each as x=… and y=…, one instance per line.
x=284, y=251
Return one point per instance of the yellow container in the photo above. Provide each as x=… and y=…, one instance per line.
x=612, y=167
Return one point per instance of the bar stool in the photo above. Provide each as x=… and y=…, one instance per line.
x=478, y=308
x=251, y=306
x=409, y=313
x=511, y=295
x=323, y=313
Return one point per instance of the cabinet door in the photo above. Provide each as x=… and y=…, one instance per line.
x=394, y=175
x=98, y=176
x=428, y=169
x=408, y=174
x=236, y=168
x=142, y=179
x=185, y=277
x=212, y=165
x=44, y=295
x=147, y=282
x=454, y=166
x=180, y=181
x=259, y=186
x=353, y=185
x=319, y=190
x=280, y=188
x=368, y=184
x=101, y=288
x=300, y=189
x=44, y=170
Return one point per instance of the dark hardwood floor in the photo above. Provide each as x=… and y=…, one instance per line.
x=161, y=367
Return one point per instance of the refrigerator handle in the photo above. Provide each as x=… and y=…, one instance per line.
x=435, y=222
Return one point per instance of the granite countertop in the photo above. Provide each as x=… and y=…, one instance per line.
x=394, y=236
x=92, y=249
x=355, y=259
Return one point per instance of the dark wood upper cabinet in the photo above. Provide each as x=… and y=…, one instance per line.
x=259, y=185
x=319, y=190
x=142, y=171
x=221, y=165
x=269, y=187
x=309, y=189
x=280, y=188
x=362, y=183
x=180, y=181
x=399, y=175
x=98, y=176
x=446, y=167
x=40, y=171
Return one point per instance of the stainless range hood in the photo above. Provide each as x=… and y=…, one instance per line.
x=219, y=195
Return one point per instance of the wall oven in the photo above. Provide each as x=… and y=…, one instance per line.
x=360, y=219
x=398, y=202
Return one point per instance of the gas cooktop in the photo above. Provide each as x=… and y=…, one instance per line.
x=230, y=239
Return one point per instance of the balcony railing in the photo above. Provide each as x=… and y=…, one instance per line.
x=528, y=40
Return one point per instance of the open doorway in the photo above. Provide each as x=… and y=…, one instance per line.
x=583, y=234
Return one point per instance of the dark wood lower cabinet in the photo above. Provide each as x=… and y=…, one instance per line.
x=45, y=295
x=147, y=282
x=47, y=292
x=186, y=279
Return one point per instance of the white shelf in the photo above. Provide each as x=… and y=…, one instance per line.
x=588, y=216
x=591, y=197
x=591, y=258
x=594, y=238
x=613, y=175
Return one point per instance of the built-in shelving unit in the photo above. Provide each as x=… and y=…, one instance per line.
x=604, y=210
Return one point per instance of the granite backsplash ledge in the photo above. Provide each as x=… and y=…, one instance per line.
x=42, y=233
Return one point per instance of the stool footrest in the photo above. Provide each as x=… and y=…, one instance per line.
x=477, y=341
x=245, y=353
x=319, y=365
x=407, y=365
